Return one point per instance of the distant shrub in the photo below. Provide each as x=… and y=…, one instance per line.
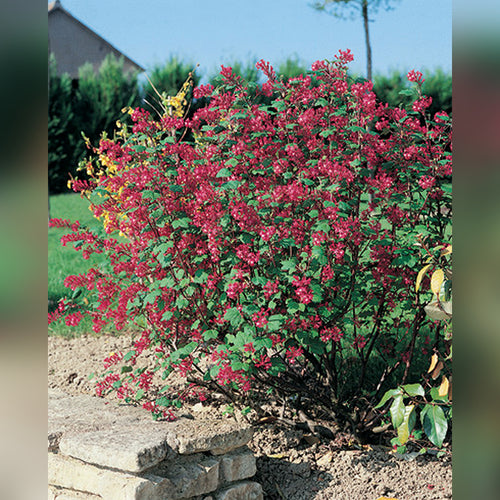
x=61, y=130
x=166, y=78
x=437, y=85
x=90, y=105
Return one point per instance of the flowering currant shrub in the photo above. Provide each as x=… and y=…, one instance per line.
x=266, y=243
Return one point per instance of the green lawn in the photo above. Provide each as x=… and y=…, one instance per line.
x=64, y=261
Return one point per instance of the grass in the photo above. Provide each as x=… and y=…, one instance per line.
x=65, y=261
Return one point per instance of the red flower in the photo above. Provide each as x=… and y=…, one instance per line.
x=293, y=353
x=415, y=76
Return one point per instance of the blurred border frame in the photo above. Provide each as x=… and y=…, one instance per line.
x=476, y=211
x=23, y=248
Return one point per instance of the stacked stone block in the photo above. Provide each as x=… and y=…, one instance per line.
x=102, y=450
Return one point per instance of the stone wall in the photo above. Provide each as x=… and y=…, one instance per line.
x=103, y=450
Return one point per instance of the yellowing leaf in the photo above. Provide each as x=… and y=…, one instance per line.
x=437, y=280
x=420, y=276
x=406, y=428
x=386, y=498
x=435, y=373
x=447, y=250
x=443, y=388
x=434, y=361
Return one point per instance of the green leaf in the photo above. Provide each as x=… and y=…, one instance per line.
x=126, y=369
x=231, y=185
x=251, y=309
x=292, y=306
x=276, y=317
x=129, y=355
x=397, y=411
x=189, y=348
x=224, y=172
x=239, y=365
x=388, y=395
x=319, y=254
x=163, y=401
x=214, y=371
x=274, y=325
x=151, y=195
x=322, y=226
x=356, y=128
x=181, y=302
x=316, y=346
x=434, y=423
x=210, y=334
x=263, y=342
x=167, y=282
x=317, y=292
x=179, y=273
x=200, y=276
x=240, y=339
x=163, y=247
x=289, y=265
x=287, y=242
x=183, y=222
x=277, y=366
x=326, y=133
x=434, y=393
x=414, y=389
x=234, y=317
x=167, y=315
x=151, y=297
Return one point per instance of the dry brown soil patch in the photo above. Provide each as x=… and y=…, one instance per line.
x=290, y=465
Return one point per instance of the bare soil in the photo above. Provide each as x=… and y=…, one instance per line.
x=292, y=463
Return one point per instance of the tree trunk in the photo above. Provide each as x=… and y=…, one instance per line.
x=367, y=39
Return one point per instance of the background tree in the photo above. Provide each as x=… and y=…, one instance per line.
x=90, y=104
x=60, y=129
x=365, y=8
x=101, y=96
x=291, y=68
x=437, y=85
x=167, y=78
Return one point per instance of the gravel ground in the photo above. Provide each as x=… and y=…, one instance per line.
x=291, y=464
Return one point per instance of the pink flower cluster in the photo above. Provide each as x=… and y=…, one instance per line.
x=248, y=233
x=415, y=76
x=302, y=289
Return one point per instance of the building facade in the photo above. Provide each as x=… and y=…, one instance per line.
x=73, y=44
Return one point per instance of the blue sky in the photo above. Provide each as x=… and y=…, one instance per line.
x=414, y=35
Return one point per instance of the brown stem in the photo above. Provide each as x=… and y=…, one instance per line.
x=416, y=324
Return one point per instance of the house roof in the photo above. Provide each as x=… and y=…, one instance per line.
x=57, y=7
